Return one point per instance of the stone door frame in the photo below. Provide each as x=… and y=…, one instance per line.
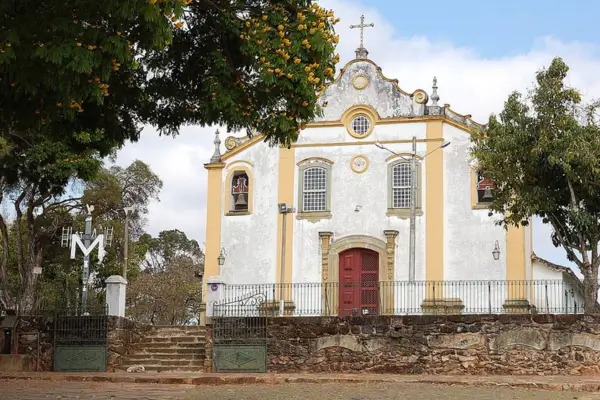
x=331, y=268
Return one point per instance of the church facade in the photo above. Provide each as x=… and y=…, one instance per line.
x=336, y=207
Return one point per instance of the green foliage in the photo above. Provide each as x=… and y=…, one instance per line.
x=71, y=86
x=543, y=152
x=168, y=290
x=254, y=65
x=40, y=224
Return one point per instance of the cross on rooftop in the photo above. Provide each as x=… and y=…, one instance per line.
x=362, y=27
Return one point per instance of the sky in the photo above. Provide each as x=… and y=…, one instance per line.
x=479, y=51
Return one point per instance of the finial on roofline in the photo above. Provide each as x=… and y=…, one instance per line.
x=434, y=94
x=216, y=157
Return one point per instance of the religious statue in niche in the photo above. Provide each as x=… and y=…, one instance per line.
x=485, y=187
x=239, y=191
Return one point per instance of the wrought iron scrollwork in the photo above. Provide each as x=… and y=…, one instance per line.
x=240, y=306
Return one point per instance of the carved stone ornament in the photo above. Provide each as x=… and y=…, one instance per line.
x=359, y=164
x=360, y=81
x=420, y=96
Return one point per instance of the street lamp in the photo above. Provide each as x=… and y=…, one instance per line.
x=221, y=258
x=496, y=251
x=128, y=210
x=413, y=198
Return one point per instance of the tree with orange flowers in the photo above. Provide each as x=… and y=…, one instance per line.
x=79, y=78
x=248, y=64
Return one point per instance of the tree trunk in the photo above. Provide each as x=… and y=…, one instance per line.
x=590, y=290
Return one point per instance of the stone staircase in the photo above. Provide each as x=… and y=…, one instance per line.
x=169, y=348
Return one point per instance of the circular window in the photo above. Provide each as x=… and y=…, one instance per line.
x=361, y=125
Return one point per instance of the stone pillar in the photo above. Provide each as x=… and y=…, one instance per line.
x=387, y=285
x=325, y=246
x=328, y=302
x=391, y=253
x=215, y=292
x=116, y=288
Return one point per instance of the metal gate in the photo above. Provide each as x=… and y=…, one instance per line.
x=81, y=340
x=240, y=334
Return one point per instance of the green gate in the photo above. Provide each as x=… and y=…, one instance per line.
x=240, y=335
x=81, y=340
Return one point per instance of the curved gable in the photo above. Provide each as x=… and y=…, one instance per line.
x=362, y=82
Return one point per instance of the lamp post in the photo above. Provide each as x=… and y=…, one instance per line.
x=128, y=211
x=496, y=251
x=413, y=199
x=284, y=210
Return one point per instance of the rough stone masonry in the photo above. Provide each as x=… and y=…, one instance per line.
x=460, y=345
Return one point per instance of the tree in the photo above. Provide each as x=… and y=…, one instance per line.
x=543, y=153
x=248, y=64
x=71, y=92
x=168, y=290
x=32, y=239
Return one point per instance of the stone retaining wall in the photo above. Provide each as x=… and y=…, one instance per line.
x=459, y=345
x=35, y=338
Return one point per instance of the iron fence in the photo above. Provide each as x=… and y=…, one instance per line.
x=403, y=298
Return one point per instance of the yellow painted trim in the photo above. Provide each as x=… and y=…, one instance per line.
x=403, y=155
x=515, y=262
x=259, y=138
x=314, y=159
x=360, y=110
x=363, y=143
x=249, y=163
x=214, y=197
x=287, y=170
x=242, y=147
x=397, y=120
x=366, y=164
x=434, y=209
x=227, y=209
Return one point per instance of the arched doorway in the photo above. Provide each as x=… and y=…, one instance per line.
x=359, y=282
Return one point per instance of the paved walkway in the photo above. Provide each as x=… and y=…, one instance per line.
x=579, y=383
x=43, y=390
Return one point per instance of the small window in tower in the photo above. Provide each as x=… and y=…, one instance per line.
x=361, y=125
x=485, y=188
x=239, y=192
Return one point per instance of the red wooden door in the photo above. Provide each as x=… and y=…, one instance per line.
x=359, y=277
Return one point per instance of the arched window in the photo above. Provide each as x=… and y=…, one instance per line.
x=239, y=188
x=485, y=189
x=399, y=188
x=314, y=191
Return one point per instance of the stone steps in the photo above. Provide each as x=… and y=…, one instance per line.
x=163, y=363
x=166, y=356
x=162, y=368
x=169, y=348
x=179, y=345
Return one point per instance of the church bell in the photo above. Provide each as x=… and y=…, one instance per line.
x=487, y=194
x=241, y=200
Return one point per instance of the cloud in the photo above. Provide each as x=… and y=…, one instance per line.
x=470, y=83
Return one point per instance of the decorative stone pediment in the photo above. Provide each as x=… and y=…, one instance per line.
x=362, y=82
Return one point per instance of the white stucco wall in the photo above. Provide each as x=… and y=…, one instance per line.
x=349, y=189
x=251, y=240
x=552, y=292
x=469, y=235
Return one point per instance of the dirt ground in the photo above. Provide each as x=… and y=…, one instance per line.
x=39, y=389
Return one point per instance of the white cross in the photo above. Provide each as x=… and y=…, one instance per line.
x=362, y=27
